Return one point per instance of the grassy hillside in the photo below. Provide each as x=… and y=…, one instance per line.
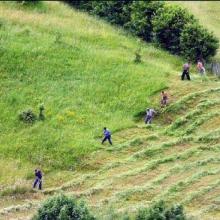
x=208, y=14
x=82, y=70
x=176, y=159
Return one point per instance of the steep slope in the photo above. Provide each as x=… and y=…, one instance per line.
x=82, y=70
x=175, y=159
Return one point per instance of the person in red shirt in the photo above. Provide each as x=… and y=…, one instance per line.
x=164, y=99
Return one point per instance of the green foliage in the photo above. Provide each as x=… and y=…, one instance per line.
x=207, y=12
x=62, y=207
x=142, y=14
x=168, y=25
x=28, y=116
x=80, y=4
x=28, y=1
x=160, y=211
x=196, y=42
x=116, y=12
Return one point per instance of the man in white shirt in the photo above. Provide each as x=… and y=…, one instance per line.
x=149, y=115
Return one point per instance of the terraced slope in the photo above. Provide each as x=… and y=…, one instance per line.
x=175, y=159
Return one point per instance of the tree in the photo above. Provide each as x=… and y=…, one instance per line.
x=197, y=43
x=168, y=25
x=62, y=207
x=142, y=14
x=116, y=12
x=160, y=211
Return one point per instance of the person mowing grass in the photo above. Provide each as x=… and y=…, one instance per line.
x=107, y=136
x=38, y=179
x=149, y=115
x=164, y=99
x=186, y=68
x=200, y=68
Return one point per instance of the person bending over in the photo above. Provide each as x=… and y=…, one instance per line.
x=149, y=115
x=186, y=68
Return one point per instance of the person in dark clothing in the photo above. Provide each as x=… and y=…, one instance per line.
x=107, y=136
x=186, y=67
x=38, y=179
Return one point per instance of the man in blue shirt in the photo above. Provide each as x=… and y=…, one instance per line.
x=107, y=136
x=38, y=179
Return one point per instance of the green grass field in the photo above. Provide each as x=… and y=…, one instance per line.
x=82, y=70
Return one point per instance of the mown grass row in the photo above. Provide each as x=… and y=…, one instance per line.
x=204, y=118
x=149, y=167
x=153, y=184
x=176, y=188
x=85, y=177
x=137, y=141
x=190, y=116
x=145, y=168
x=178, y=105
x=198, y=193
x=210, y=137
x=157, y=150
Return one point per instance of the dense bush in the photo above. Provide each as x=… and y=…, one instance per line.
x=27, y=116
x=142, y=13
x=160, y=211
x=116, y=12
x=197, y=43
x=28, y=1
x=168, y=25
x=62, y=207
x=80, y=4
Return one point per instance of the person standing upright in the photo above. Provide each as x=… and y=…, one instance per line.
x=38, y=179
x=186, y=68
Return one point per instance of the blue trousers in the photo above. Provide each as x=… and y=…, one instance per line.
x=39, y=182
x=148, y=119
x=107, y=138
